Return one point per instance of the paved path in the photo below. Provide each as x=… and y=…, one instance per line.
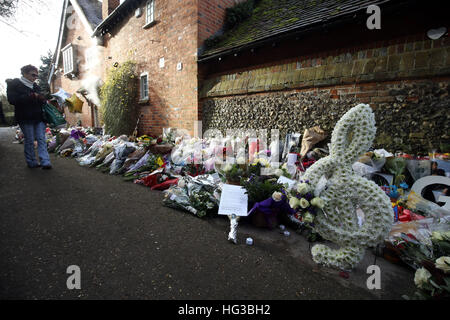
x=129, y=246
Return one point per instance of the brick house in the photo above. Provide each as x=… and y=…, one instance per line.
x=77, y=55
x=162, y=37
x=290, y=65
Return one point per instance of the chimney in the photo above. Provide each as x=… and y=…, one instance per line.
x=108, y=6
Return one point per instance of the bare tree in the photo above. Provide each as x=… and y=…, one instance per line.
x=8, y=8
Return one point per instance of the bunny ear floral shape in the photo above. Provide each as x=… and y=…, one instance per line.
x=346, y=192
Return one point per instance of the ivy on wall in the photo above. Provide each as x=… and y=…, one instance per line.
x=118, y=99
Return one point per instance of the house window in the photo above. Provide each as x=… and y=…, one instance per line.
x=68, y=59
x=144, y=86
x=150, y=12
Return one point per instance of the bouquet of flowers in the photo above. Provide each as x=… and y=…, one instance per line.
x=307, y=206
x=433, y=279
x=152, y=163
x=232, y=173
x=198, y=195
x=431, y=262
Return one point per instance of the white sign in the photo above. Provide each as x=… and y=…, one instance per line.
x=388, y=177
x=292, y=159
x=420, y=184
x=233, y=200
x=283, y=180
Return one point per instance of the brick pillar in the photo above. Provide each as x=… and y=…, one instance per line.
x=108, y=6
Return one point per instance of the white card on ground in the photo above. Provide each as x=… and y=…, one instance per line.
x=283, y=180
x=292, y=159
x=233, y=200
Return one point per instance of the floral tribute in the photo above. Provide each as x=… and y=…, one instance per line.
x=345, y=192
x=306, y=204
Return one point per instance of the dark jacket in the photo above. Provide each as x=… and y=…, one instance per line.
x=27, y=107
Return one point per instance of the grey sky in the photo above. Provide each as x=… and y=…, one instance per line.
x=28, y=35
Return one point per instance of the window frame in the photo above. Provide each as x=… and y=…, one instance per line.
x=143, y=89
x=149, y=6
x=68, y=54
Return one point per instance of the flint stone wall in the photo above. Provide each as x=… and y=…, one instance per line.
x=411, y=116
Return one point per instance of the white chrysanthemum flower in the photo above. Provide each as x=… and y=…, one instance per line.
x=338, y=224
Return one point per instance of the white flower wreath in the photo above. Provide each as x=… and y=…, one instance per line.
x=346, y=192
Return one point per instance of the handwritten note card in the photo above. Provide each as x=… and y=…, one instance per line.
x=233, y=200
x=284, y=180
x=292, y=159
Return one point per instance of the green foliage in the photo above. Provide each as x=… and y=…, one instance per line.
x=260, y=189
x=396, y=166
x=8, y=8
x=8, y=109
x=44, y=71
x=202, y=202
x=118, y=100
x=238, y=13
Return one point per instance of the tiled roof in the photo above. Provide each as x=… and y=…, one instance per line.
x=118, y=14
x=271, y=18
x=92, y=10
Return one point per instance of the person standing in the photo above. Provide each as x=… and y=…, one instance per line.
x=25, y=95
x=2, y=115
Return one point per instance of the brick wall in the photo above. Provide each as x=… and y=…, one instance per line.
x=312, y=79
x=172, y=93
x=393, y=61
x=108, y=6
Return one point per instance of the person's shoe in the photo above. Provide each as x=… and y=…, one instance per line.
x=47, y=167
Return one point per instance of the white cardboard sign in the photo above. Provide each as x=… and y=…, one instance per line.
x=283, y=180
x=292, y=159
x=420, y=184
x=233, y=200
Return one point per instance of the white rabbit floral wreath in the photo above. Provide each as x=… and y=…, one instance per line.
x=333, y=208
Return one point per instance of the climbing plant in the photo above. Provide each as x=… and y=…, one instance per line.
x=118, y=99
